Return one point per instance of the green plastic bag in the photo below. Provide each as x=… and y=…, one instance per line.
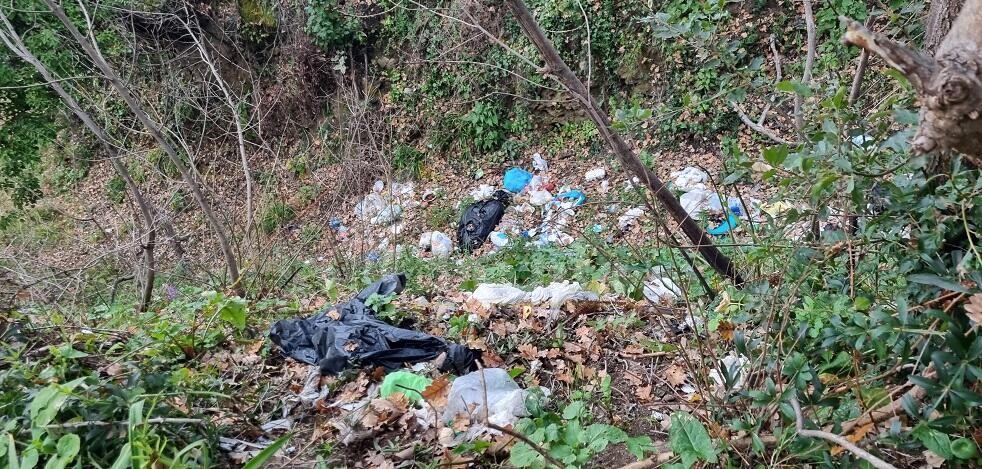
x=409, y=384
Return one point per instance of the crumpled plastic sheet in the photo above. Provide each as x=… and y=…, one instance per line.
x=350, y=334
x=556, y=294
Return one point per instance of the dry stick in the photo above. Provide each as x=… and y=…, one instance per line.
x=13, y=42
x=857, y=81
x=758, y=127
x=529, y=442
x=806, y=78
x=555, y=65
x=158, y=134
x=841, y=441
x=101, y=423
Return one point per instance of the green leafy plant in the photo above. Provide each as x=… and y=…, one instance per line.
x=329, y=28
x=690, y=441
x=571, y=436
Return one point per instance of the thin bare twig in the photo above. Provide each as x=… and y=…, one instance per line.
x=857, y=81
x=524, y=439
x=839, y=440
x=806, y=78
x=758, y=127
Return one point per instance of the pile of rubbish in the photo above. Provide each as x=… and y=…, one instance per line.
x=349, y=334
x=698, y=200
x=415, y=392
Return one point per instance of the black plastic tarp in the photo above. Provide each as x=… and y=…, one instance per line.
x=358, y=338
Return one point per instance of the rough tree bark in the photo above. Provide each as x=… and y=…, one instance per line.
x=939, y=20
x=949, y=84
x=555, y=65
x=148, y=232
x=158, y=134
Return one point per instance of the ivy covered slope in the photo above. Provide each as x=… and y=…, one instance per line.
x=129, y=337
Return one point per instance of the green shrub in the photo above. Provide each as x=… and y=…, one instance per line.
x=275, y=216
x=329, y=28
x=116, y=190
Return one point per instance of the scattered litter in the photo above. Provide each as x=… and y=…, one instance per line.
x=239, y=451
x=436, y=242
x=777, y=209
x=370, y=206
x=539, y=163
x=499, y=239
x=594, y=174
x=628, y=218
x=387, y=215
x=660, y=289
x=349, y=334
x=861, y=140
x=577, y=197
x=483, y=192
x=409, y=384
x=492, y=386
x=373, y=256
x=728, y=225
x=540, y=198
x=604, y=187
x=516, y=179
x=697, y=201
x=277, y=427
x=556, y=294
x=480, y=219
x=335, y=223
x=690, y=178
x=598, y=228
x=378, y=187
x=733, y=365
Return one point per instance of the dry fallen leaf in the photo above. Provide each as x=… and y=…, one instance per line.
x=350, y=346
x=633, y=378
x=528, y=351
x=436, y=393
x=675, y=375
x=492, y=360
x=643, y=393
x=726, y=330
x=858, y=434
x=973, y=309
x=633, y=349
x=334, y=315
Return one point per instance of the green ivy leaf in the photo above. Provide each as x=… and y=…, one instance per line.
x=963, y=448
x=796, y=87
x=690, y=440
x=234, y=312
x=931, y=279
x=522, y=455
x=639, y=445
x=934, y=441
x=776, y=155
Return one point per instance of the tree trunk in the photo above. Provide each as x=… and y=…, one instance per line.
x=555, y=64
x=148, y=233
x=158, y=134
x=949, y=84
x=939, y=20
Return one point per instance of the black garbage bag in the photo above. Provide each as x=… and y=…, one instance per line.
x=480, y=219
x=357, y=338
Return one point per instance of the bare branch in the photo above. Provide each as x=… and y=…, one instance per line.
x=839, y=440
x=806, y=78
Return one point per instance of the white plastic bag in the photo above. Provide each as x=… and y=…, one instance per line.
x=498, y=294
x=469, y=393
x=690, y=178
x=539, y=198
x=661, y=288
x=697, y=201
x=594, y=174
x=629, y=216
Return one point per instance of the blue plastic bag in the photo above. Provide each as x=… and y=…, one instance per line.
x=516, y=179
